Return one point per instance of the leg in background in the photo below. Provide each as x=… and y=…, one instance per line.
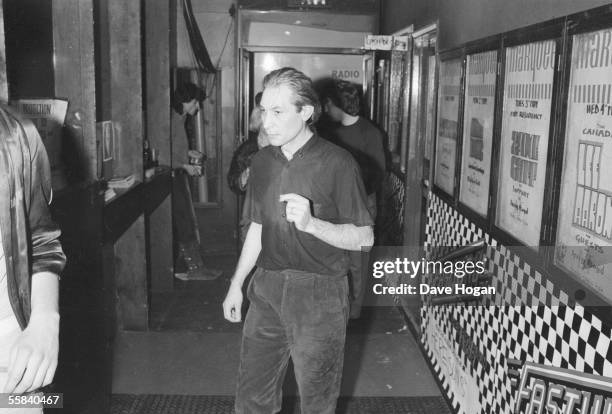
x=188, y=256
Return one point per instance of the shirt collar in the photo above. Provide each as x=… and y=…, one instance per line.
x=304, y=149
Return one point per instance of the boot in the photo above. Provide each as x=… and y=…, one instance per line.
x=190, y=254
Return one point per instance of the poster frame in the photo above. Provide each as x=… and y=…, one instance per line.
x=553, y=31
x=438, y=191
x=561, y=29
x=489, y=44
x=580, y=23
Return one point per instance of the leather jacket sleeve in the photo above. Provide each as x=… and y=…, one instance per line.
x=46, y=250
x=241, y=160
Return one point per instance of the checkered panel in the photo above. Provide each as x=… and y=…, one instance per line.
x=542, y=325
x=531, y=320
x=479, y=324
x=466, y=326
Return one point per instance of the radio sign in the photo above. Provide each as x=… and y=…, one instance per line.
x=550, y=390
x=346, y=74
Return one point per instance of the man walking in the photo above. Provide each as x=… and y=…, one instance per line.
x=189, y=263
x=365, y=142
x=307, y=207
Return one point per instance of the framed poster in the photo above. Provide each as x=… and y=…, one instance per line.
x=431, y=107
x=481, y=74
x=527, y=104
x=449, y=93
x=584, y=225
x=397, y=83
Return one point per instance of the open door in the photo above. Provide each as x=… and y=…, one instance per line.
x=369, y=77
x=422, y=125
x=244, y=104
x=422, y=130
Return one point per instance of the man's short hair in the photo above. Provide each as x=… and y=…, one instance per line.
x=345, y=95
x=300, y=85
x=258, y=98
x=186, y=92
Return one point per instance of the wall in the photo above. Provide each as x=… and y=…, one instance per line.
x=29, y=48
x=156, y=87
x=73, y=50
x=533, y=318
x=494, y=332
x=461, y=21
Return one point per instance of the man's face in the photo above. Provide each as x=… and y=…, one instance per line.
x=191, y=107
x=281, y=120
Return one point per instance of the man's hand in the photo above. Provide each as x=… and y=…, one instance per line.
x=193, y=170
x=297, y=210
x=232, y=305
x=33, y=356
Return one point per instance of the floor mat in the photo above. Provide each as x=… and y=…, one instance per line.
x=196, y=404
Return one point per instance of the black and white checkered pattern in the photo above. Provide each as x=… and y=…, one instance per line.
x=530, y=319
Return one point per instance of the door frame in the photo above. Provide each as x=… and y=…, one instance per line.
x=418, y=186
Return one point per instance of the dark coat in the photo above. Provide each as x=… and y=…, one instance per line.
x=30, y=238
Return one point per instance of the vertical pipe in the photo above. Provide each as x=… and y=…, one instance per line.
x=201, y=183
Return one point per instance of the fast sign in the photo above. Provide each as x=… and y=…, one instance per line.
x=550, y=390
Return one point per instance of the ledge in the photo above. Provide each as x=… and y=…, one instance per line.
x=128, y=205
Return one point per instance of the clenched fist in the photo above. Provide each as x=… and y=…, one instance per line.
x=297, y=210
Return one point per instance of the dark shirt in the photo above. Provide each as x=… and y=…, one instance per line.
x=325, y=174
x=365, y=142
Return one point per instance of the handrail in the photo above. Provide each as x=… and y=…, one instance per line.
x=462, y=251
x=458, y=253
x=444, y=300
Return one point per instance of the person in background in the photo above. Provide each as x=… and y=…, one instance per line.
x=189, y=264
x=31, y=260
x=240, y=167
x=307, y=206
x=239, y=171
x=365, y=142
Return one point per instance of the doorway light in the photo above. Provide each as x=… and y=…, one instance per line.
x=311, y=4
x=269, y=63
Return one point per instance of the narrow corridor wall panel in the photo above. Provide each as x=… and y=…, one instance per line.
x=530, y=319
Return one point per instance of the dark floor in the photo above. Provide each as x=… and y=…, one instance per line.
x=191, y=351
x=195, y=305
x=180, y=404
